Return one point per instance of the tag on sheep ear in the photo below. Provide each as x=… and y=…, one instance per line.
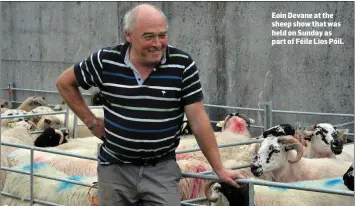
x=220, y=124
x=11, y=125
x=251, y=121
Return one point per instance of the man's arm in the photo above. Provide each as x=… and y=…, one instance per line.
x=202, y=129
x=67, y=86
x=204, y=134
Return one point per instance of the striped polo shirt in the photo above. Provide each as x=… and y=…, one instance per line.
x=142, y=117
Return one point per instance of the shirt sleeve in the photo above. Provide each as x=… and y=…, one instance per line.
x=191, y=85
x=89, y=71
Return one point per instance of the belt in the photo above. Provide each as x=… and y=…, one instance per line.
x=151, y=162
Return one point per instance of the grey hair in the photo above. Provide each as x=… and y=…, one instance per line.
x=129, y=18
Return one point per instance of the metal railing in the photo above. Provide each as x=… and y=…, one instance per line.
x=267, y=122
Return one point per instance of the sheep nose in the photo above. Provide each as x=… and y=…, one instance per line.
x=337, y=146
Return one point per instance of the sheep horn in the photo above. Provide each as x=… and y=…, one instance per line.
x=295, y=144
x=207, y=191
x=243, y=116
x=226, y=120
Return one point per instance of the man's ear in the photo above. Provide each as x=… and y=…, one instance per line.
x=128, y=36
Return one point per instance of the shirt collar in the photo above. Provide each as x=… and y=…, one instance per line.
x=126, y=47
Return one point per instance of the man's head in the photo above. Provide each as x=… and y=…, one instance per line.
x=146, y=29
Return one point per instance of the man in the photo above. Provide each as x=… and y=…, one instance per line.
x=148, y=86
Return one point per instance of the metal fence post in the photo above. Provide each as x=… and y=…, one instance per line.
x=10, y=95
x=251, y=194
x=31, y=179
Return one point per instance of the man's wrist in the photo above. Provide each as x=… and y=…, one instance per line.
x=93, y=124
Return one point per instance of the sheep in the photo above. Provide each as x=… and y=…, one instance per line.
x=276, y=156
x=49, y=121
x=32, y=102
x=12, y=112
x=348, y=178
x=56, y=192
x=4, y=104
x=4, y=163
x=51, y=137
x=325, y=142
x=223, y=194
x=18, y=133
x=39, y=110
x=81, y=131
x=234, y=129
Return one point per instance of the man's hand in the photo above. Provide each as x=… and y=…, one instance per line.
x=99, y=128
x=229, y=176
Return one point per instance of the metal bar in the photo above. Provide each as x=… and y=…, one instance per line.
x=19, y=102
x=40, y=131
x=251, y=194
x=256, y=126
x=27, y=199
x=273, y=184
x=315, y=113
x=31, y=180
x=190, y=204
x=194, y=200
x=196, y=149
x=47, y=150
x=265, y=118
x=37, y=90
x=270, y=114
x=31, y=115
x=233, y=168
x=44, y=176
x=344, y=124
x=230, y=107
x=75, y=125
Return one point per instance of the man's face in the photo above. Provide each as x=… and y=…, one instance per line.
x=149, y=39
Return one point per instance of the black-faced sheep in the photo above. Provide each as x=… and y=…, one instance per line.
x=277, y=157
x=348, y=178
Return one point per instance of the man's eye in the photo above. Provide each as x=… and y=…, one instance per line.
x=162, y=36
x=148, y=37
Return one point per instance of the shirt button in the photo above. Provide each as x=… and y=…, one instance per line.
x=139, y=79
x=154, y=69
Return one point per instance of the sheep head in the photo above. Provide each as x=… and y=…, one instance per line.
x=236, y=123
x=273, y=154
x=51, y=138
x=279, y=130
x=324, y=138
x=32, y=102
x=4, y=103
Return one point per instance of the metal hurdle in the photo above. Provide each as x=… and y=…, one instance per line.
x=268, y=115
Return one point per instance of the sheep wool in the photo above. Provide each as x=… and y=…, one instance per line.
x=192, y=187
x=275, y=196
x=57, y=192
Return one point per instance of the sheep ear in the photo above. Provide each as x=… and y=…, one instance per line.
x=65, y=134
x=305, y=134
x=30, y=102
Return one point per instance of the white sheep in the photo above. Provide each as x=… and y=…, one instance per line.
x=32, y=102
x=235, y=129
x=325, y=142
x=39, y=110
x=55, y=191
x=223, y=194
x=277, y=157
x=9, y=113
x=81, y=131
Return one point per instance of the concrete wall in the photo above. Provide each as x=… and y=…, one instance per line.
x=230, y=42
